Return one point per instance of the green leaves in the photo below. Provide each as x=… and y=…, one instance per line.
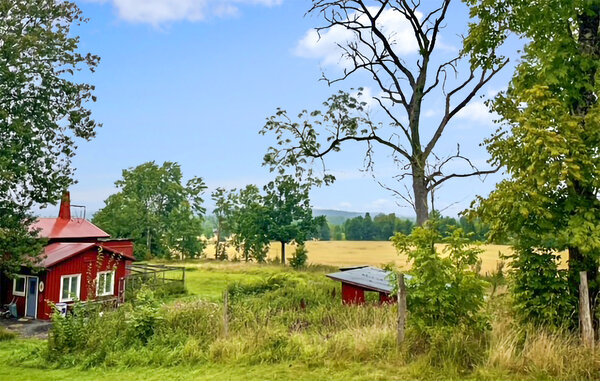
x=444, y=289
x=300, y=144
x=549, y=147
x=154, y=208
x=42, y=111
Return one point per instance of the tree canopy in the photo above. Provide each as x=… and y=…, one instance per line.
x=155, y=209
x=289, y=214
x=548, y=144
x=42, y=111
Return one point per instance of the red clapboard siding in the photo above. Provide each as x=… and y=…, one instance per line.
x=87, y=264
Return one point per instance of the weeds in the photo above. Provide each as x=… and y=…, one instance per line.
x=292, y=318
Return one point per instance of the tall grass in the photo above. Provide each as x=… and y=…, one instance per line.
x=290, y=317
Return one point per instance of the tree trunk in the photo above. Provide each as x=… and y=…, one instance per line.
x=283, y=252
x=420, y=192
x=218, y=241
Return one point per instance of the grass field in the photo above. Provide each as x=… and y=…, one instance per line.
x=374, y=253
x=340, y=343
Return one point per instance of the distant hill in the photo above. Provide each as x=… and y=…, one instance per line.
x=337, y=217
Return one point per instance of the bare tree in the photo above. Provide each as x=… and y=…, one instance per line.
x=403, y=88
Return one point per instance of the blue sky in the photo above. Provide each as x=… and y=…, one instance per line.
x=192, y=81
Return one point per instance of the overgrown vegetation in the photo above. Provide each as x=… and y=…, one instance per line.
x=443, y=291
x=279, y=317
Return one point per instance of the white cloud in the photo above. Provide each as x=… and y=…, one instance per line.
x=325, y=47
x=381, y=204
x=477, y=112
x=157, y=12
x=429, y=113
x=345, y=205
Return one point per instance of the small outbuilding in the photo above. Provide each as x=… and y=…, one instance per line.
x=80, y=263
x=358, y=280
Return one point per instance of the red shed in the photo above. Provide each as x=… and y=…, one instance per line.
x=80, y=262
x=357, y=280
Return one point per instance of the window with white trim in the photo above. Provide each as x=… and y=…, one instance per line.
x=19, y=286
x=105, y=283
x=69, y=287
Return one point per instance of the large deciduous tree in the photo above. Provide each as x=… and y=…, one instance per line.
x=289, y=214
x=42, y=111
x=549, y=145
x=154, y=208
x=249, y=223
x=403, y=87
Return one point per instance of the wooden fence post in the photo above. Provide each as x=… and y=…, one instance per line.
x=585, y=318
x=401, y=308
x=226, y=312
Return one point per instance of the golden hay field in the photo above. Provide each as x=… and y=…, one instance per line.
x=374, y=253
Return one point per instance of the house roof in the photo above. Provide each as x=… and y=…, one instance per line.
x=57, y=252
x=60, y=228
x=369, y=278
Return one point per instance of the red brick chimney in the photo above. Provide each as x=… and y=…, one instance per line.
x=65, y=206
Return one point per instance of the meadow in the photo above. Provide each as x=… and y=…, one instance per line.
x=374, y=253
x=285, y=324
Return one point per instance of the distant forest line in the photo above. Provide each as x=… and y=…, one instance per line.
x=365, y=227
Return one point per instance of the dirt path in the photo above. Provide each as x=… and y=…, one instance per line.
x=27, y=328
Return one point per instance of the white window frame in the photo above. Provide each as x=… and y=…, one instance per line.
x=15, y=291
x=112, y=283
x=62, y=280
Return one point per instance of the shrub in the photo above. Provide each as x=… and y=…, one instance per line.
x=540, y=289
x=442, y=290
x=300, y=257
x=145, y=316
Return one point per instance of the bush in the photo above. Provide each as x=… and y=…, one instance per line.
x=145, y=316
x=443, y=290
x=300, y=257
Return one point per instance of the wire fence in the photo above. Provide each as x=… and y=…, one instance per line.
x=162, y=279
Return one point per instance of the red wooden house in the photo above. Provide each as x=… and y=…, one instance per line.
x=80, y=262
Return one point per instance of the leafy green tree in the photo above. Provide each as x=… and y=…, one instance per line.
x=385, y=225
x=337, y=232
x=404, y=226
x=368, y=228
x=156, y=210
x=223, y=213
x=42, y=112
x=249, y=223
x=548, y=142
x=324, y=230
x=353, y=228
x=289, y=213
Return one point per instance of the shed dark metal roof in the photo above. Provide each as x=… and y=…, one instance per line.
x=369, y=278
